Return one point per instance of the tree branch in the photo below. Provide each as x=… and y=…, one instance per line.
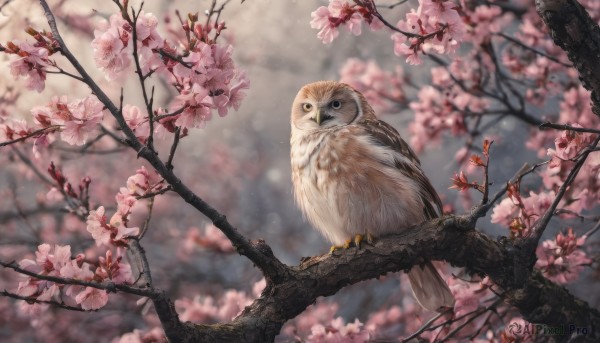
x=579, y=36
x=453, y=239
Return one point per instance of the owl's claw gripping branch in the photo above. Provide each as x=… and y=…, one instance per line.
x=358, y=239
x=344, y=246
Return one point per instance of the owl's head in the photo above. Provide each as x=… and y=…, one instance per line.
x=327, y=104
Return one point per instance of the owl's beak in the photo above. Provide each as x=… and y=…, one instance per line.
x=321, y=117
x=318, y=117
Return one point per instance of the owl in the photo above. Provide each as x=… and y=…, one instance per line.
x=355, y=178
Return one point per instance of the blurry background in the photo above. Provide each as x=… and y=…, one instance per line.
x=239, y=163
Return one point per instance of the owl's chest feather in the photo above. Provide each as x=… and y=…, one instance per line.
x=346, y=185
x=317, y=160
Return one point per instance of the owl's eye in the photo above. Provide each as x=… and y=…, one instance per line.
x=336, y=104
x=306, y=107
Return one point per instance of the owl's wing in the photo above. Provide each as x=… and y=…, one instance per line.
x=384, y=134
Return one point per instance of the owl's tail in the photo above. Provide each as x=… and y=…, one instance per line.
x=430, y=289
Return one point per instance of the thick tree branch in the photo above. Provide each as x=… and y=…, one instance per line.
x=453, y=239
x=579, y=36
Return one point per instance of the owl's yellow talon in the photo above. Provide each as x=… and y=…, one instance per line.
x=347, y=244
x=358, y=239
x=336, y=247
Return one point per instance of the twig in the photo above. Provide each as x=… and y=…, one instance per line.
x=31, y=300
x=107, y=286
x=140, y=253
x=394, y=5
x=141, y=78
x=527, y=47
x=423, y=327
x=153, y=194
x=169, y=164
x=476, y=315
x=481, y=210
x=541, y=224
x=172, y=114
x=147, y=221
x=370, y=4
x=593, y=230
x=29, y=135
x=568, y=127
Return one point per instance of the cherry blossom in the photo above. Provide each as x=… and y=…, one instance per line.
x=212, y=239
x=328, y=19
x=31, y=64
x=110, y=46
x=92, y=298
x=561, y=259
x=383, y=90
x=106, y=233
x=137, y=121
x=56, y=261
x=432, y=18
x=339, y=331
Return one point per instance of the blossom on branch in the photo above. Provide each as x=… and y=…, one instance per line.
x=57, y=262
x=328, y=19
x=561, y=259
x=383, y=90
x=435, y=26
x=31, y=64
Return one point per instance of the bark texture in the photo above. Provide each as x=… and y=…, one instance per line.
x=453, y=239
x=572, y=29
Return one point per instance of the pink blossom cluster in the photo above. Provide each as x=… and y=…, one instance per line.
x=211, y=239
x=116, y=230
x=383, y=90
x=434, y=114
x=208, y=80
x=57, y=261
x=31, y=62
x=319, y=324
x=541, y=72
x=568, y=145
x=207, y=309
x=204, y=309
x=561, y=259
x=78, y=120
x=520, y=213
x=204, y=75
x=483, y=22
x=469, y=295
x=137, y=121
x=436, y=26
x=113, y=48
x=328, y=19
x=12, y=129
x=574, y=109
x=113, y=232
x=339, y=332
